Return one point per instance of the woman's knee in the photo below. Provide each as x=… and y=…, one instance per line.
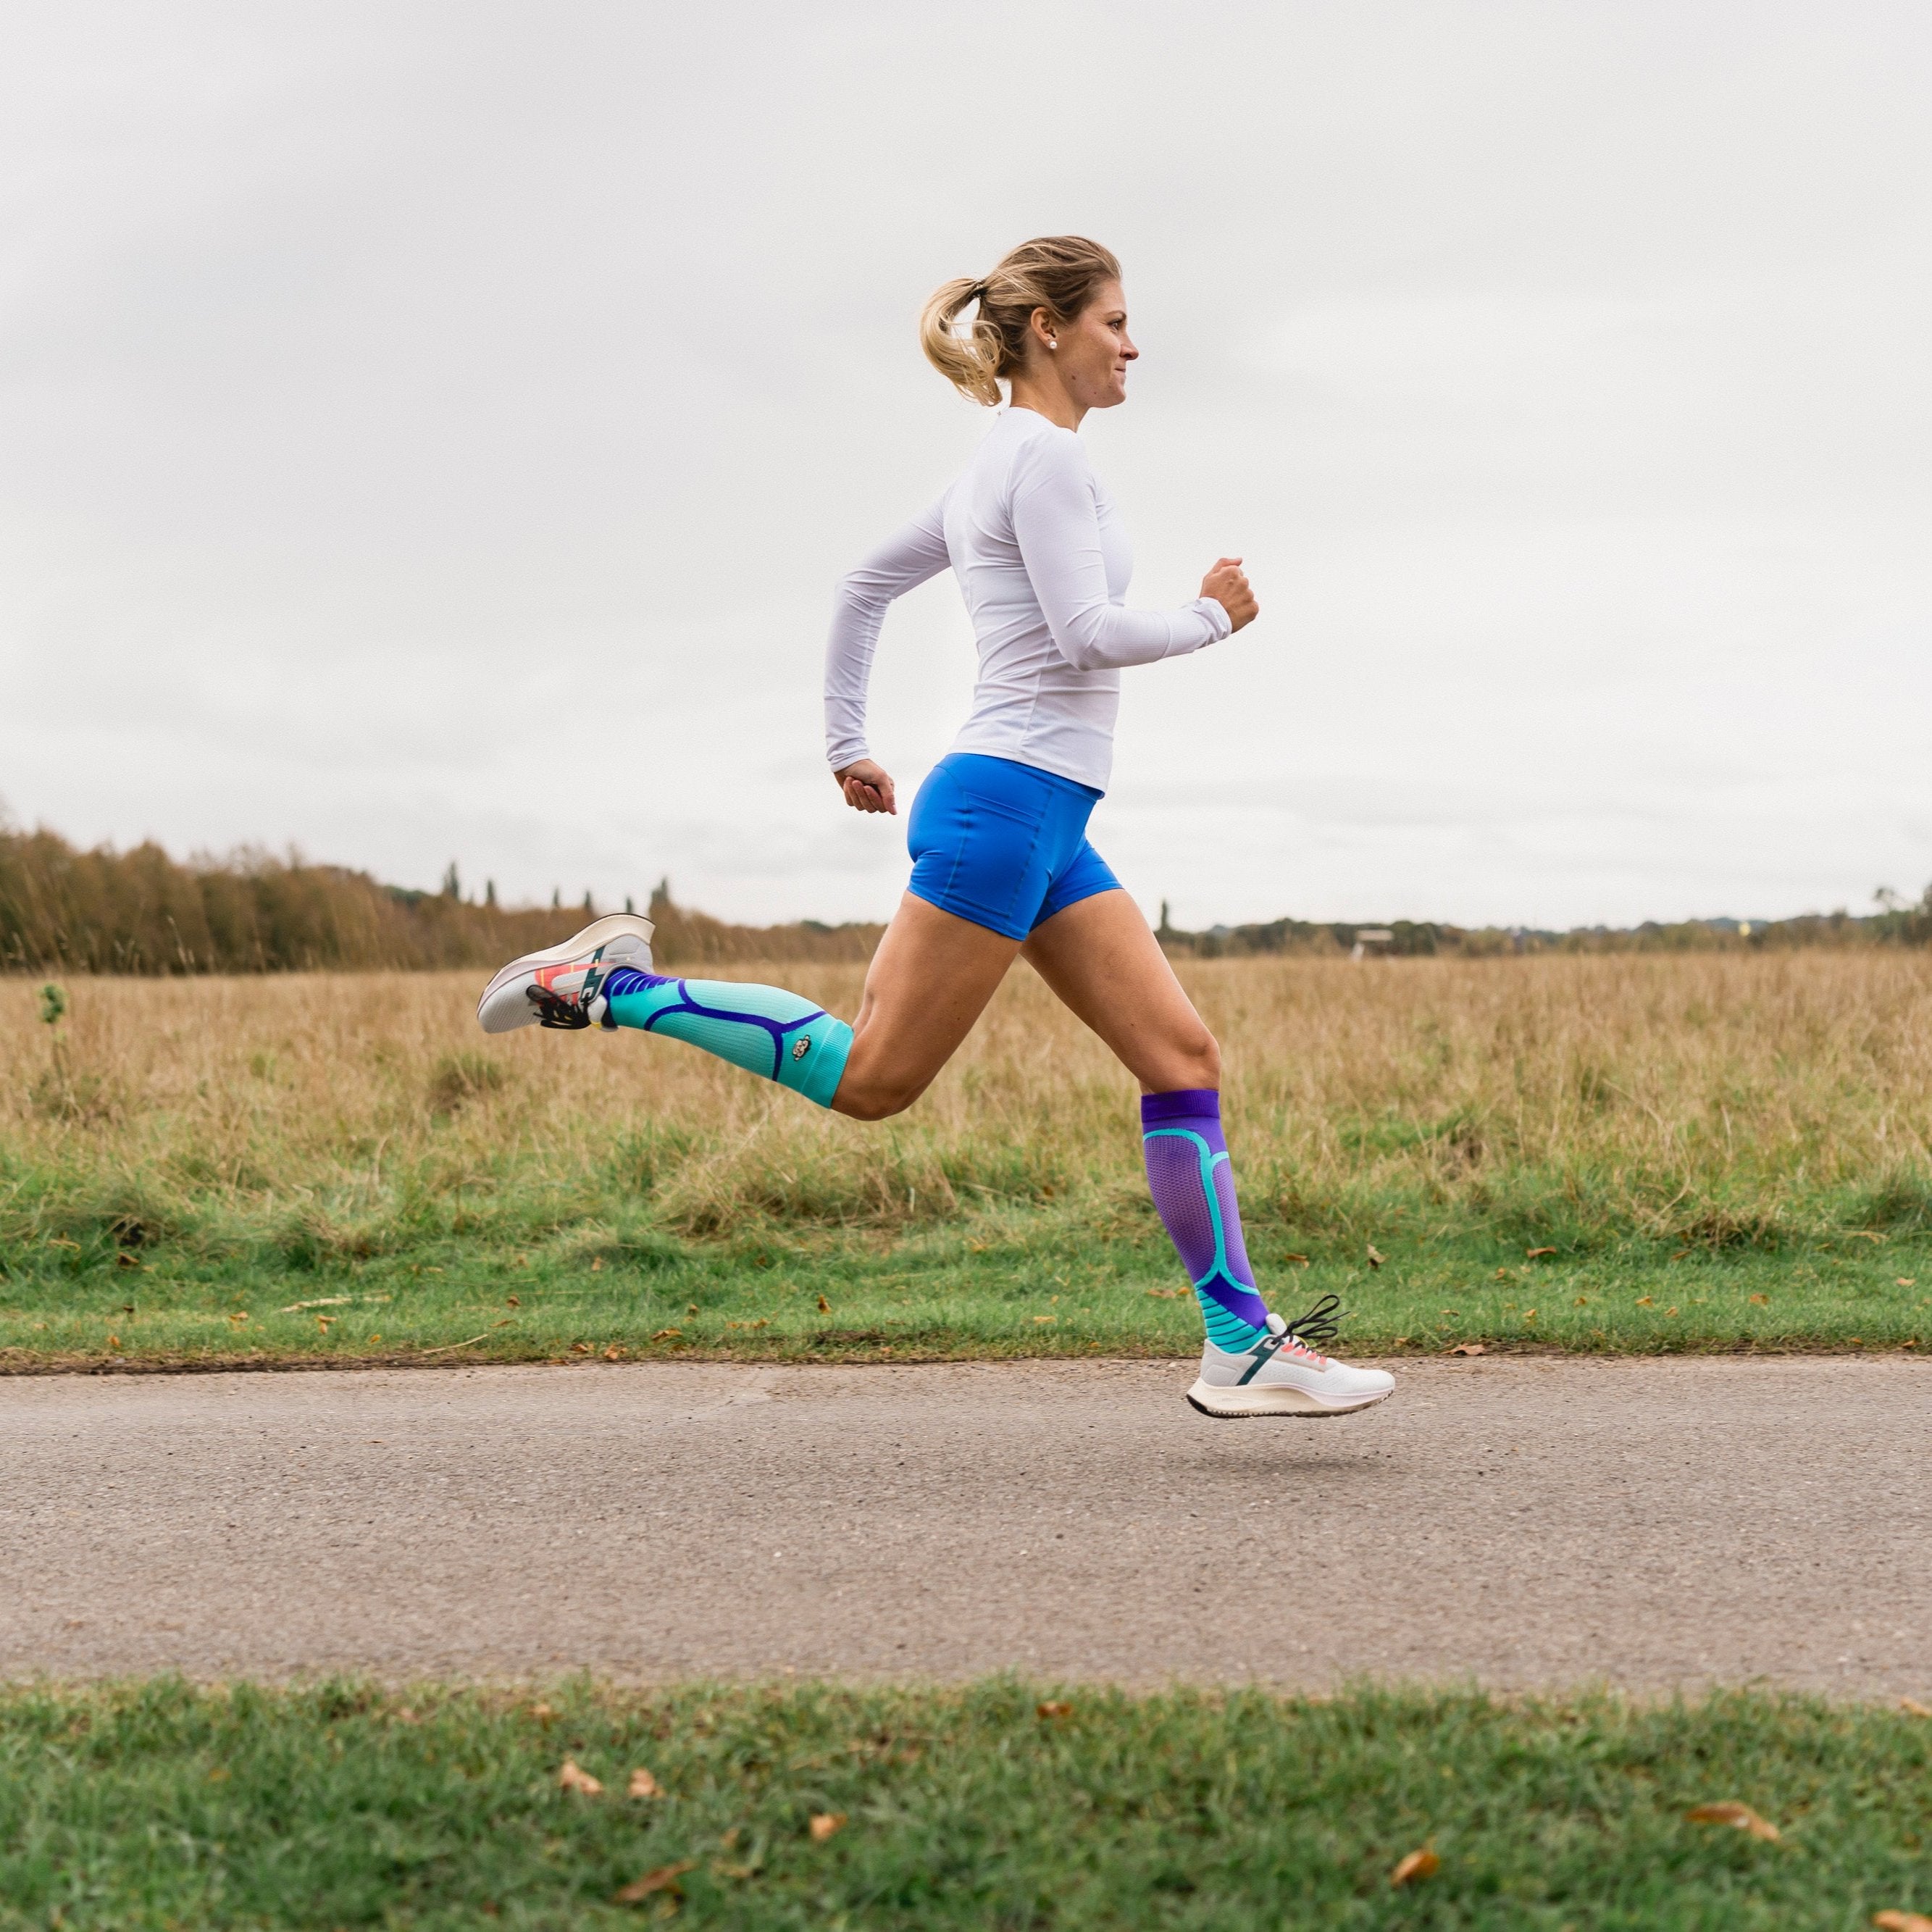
x=1205, y=1051
x=875, y=1100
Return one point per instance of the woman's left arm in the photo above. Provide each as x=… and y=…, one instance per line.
x=864, y=595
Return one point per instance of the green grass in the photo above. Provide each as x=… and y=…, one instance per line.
x=1029, y=1285
x=184, y=1163
x=162, y=1805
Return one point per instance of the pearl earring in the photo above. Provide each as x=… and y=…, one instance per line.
x=1052, y=343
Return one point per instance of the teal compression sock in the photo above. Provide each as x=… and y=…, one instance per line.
x=764, y=1029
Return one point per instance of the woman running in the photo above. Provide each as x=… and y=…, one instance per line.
x=1001, y=863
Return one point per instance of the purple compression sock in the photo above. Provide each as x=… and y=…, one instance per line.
x=1193, y=1187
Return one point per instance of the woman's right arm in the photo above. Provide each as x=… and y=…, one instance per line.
x=858, y=609
x=1057, y=527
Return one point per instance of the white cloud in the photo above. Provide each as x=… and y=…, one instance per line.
x=433, y=431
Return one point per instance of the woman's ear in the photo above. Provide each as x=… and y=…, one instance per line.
x=1045, y=327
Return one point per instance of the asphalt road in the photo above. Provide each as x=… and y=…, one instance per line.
x=1522, y=1523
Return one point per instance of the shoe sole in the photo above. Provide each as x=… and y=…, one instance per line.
x=1236, y=1405
x=598, y=933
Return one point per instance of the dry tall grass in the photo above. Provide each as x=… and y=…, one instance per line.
x=1713, y=1098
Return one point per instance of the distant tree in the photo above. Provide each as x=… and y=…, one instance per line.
x=489, y=892
x=452, y=886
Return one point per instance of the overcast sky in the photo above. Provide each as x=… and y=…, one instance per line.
x=433, y=432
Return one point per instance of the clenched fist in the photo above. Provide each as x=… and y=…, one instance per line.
x=1227, y=584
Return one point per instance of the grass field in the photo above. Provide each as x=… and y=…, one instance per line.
x=999, y=1805
x=1615, y=1153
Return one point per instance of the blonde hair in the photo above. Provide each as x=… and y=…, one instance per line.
x=1058, y=273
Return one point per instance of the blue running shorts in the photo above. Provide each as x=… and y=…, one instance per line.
x=1003, y=844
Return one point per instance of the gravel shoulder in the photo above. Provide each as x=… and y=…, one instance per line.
x=1521, y=1522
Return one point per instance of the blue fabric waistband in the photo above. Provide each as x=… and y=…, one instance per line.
x=1008, y=775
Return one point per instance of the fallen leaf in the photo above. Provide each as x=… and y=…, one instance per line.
x=574, y=1777
x=614, y=1353
x=374, y=1339
x=1537, y=1254
x=114, y=1341
x=1912, y=1707
x=128, y=1261
x=1529, y=1315
x=1582, y=1301
x=580, y=1348
x=664, y=1879
x=1046, y=1317
x=1053, y=1709
x=1905, y=1281
x=1470, y=1349
x=219, y=1775
x=666, y=1334
x=1646, y=1301
x=1168, y=1294
x=511, y=1301
x=643, y=1785
x=1762, y=1300
x=596, y=1263
x=824, y=1306
x=1301, y=1260
x=1901, y=1921
x=542, y=1713
x=1740, y=1817
x=1669, y=1312
x=1423, y=1864
x=823, y=1824
x=1376, y=1257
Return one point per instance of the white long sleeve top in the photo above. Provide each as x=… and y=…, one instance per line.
x=1043, y=562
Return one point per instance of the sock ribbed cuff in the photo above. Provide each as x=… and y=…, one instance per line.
x=1189, y=1103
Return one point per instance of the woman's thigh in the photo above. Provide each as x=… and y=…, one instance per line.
x=929, y=981
x=1100, y=958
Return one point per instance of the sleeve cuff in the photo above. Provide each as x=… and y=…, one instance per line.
x=1219, y=621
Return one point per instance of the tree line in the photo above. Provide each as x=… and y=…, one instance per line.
x=1896, y=923
x=141, y=911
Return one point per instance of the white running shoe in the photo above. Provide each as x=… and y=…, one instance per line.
x=562, y=987
x=1282, y=1376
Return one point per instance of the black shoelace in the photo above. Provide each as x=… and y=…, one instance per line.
x=1322, y=1323
x=553, y=1010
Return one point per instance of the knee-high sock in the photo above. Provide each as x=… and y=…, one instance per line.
x=1193, y=1186
x=764, y=1029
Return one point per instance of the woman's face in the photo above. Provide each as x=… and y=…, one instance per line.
x=1094, y=350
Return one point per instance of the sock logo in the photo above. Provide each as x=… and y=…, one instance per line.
x=801, y=1049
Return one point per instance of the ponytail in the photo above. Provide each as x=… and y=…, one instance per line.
x=969, y=362
x=1059, y=273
